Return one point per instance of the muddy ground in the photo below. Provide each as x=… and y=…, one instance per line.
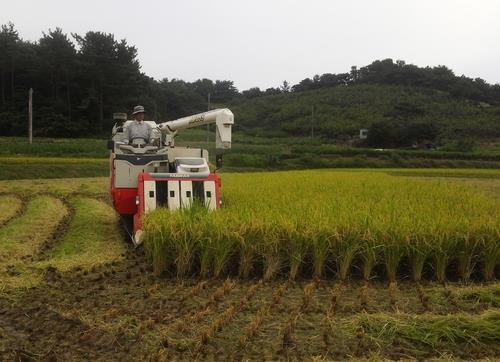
x=121, y=311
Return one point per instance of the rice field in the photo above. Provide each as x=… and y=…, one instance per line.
x=282, y=272
x=331, y=224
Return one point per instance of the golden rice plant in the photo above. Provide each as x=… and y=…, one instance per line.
x=320, y=240
x=369, y=253
x=346, y=245
x=278, y=221
x=490, y=254
x=418, y=252
x=295, y=239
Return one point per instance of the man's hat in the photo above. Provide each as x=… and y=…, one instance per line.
x=138, y=109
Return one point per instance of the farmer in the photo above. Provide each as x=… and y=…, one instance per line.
x=139, y=129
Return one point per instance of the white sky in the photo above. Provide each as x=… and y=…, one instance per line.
x=261, y=43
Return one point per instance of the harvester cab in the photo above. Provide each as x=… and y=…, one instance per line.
x=146, y=175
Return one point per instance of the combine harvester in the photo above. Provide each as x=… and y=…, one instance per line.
x=145, y=176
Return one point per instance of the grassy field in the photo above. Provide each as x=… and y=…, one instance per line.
x=58, y=158
x=73, y=288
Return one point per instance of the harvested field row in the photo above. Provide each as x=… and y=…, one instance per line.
x=326, y=223
x=61, y=187
x=10, y=206
x=47, y=235
x=128, y=314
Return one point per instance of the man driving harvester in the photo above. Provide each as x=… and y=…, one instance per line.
x=139, y=132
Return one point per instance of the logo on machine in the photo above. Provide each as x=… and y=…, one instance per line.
x=197, y=119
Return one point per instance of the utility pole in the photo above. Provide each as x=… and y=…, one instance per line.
x=30, y=116
x=312, y=121
x=208, y=126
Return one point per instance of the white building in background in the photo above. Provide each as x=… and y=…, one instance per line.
x=363, y=133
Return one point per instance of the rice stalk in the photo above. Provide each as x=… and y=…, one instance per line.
x=347, y=244
x=490, y=256
x=466, y=255
x=418, y=252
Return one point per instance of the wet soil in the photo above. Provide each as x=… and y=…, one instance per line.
x=121, y=311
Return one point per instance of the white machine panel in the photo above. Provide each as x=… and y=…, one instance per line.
x=210, y=196
x=186, y=193
x=174, y=200
x=149, y=195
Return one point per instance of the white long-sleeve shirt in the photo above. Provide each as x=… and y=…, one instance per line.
x=138, y=129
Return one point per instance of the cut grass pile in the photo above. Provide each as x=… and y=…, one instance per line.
x=315, y=222
x=432, y=332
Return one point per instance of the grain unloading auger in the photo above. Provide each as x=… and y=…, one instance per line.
x=145, y=176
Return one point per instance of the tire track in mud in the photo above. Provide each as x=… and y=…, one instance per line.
x=60, y=230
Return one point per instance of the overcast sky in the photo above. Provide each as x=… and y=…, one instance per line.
x=261, y=43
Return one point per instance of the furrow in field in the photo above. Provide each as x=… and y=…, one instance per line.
x=22, y=238
x=59, y=231
x=92, y=237
x=10, y=207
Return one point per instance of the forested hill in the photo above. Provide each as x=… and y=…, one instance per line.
x=396, y=115
x=80, y=80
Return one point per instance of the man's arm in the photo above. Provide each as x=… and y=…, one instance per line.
x=151, y=135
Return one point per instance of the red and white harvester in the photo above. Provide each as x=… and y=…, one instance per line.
x=146, y=176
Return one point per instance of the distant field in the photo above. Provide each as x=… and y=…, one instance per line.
x=73, y=288
x=248, y=153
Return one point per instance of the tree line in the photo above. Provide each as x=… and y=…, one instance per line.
x=80, y=80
